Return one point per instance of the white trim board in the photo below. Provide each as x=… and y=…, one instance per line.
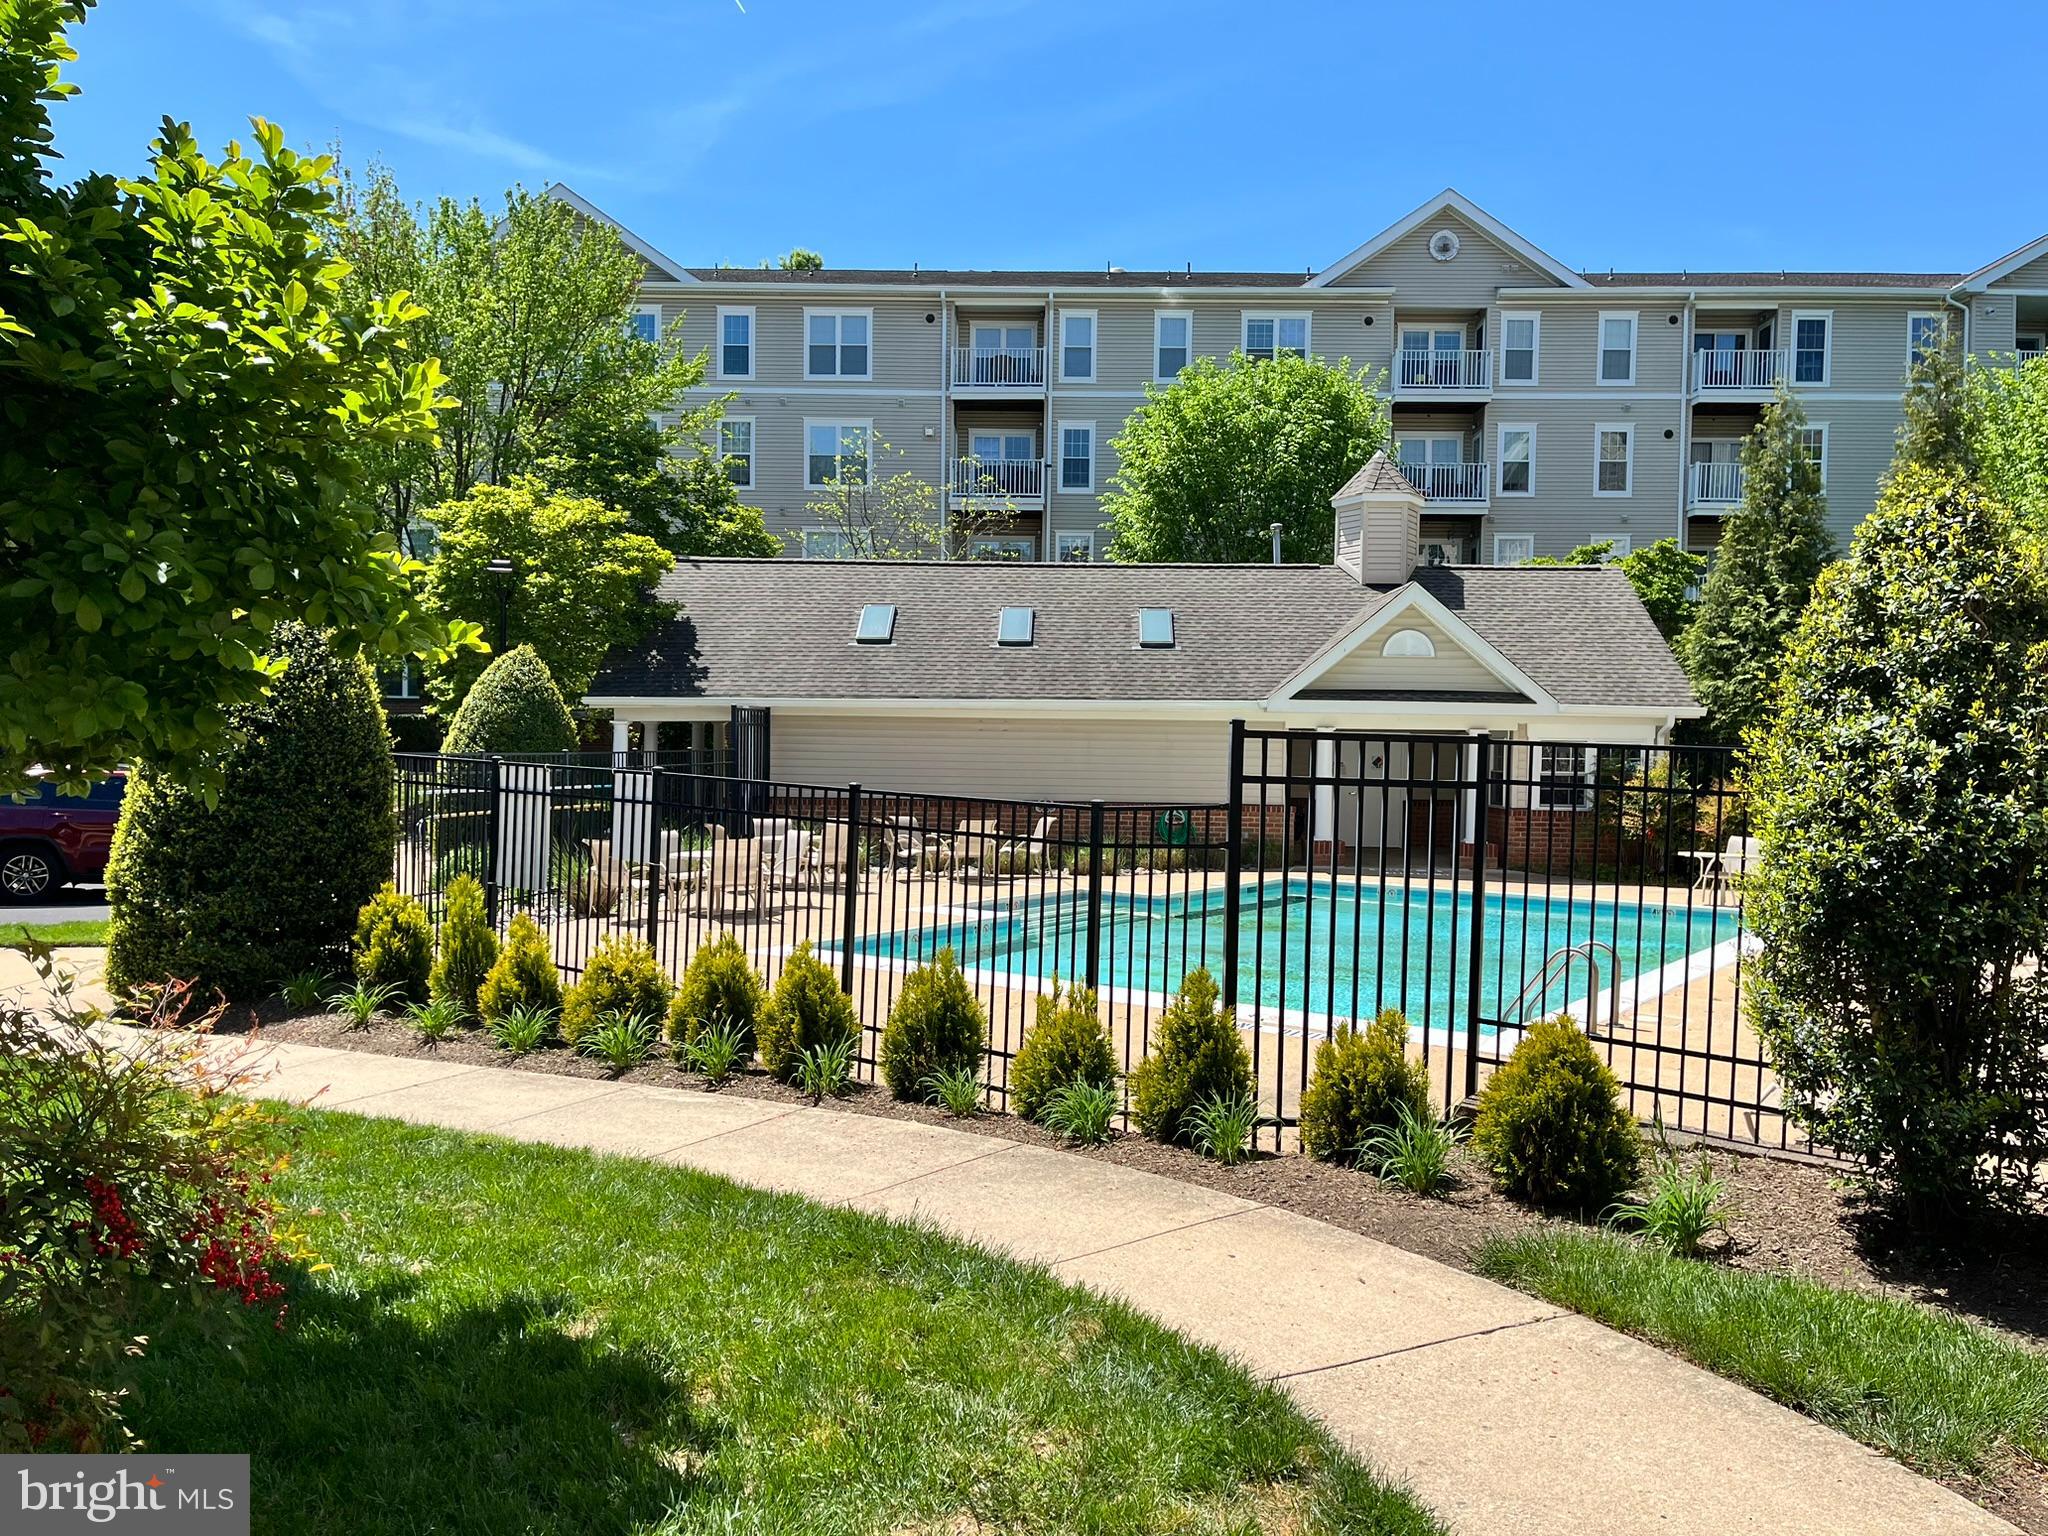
x=674, y=271
x=1411, y=599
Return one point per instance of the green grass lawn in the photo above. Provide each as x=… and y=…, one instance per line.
x=1941, y=1394
x=519, y=1338
x=84, y=931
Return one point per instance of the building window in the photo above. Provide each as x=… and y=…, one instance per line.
x=1925, y=331
x=1173, y=343
x=1520, y=337
x=1564, y=778
x=827, y=544
x=1408, y=642
x=1077, y=456
x=1810, y=348
x=1012, y=549
x=1517, y=460
x=1074, y=548
x=1614, y=452
x=1618, y=545
x=735, y=343
x=836, y=450
x=1267, y=336
x=1155, y=629
x=736, y=450
x=646, y=322
x=1077, y=346
x=1813, y=441
x=1513, y=548
x=1617, y=348
x=836, y=343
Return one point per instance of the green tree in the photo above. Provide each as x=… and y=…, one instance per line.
x=1665, y=577
x=1901, y=798
x=686, y=503
x=1936, y=410
x=2008, y=423
x=513, y=707
x=800, y=260
x=895, y=515
x=187, y=386
x=579, y=585
x=1772, y=549
x=1210, y=461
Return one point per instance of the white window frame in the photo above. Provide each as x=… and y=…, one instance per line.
x=982, y=544
x=1635, y=337
x=753, y=447
x=1827, y=351
x=1940, y=331
x=1094, y=319
x=1628, y=431
x=1066, y=538
x=838, y=536
x=1822, y=428
x=1500, y=457
x=1535, y=319
x=1526, y=539
x=753, y=340
x=1276, y=316
x=838, y=312
x=1562, y=789
x=1623, y=544
x=1159, y=317
x=647, y=309
x=865, y=423
x=1059, y=458
x=1408, y=642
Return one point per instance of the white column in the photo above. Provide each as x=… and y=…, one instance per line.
x=1473, y=809
x=1323, y=825
x=621, y=734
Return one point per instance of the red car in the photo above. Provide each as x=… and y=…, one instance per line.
x=55, y=839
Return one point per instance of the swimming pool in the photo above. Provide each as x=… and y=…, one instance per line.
x=1314, y=949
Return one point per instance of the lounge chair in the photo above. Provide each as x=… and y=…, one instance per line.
x=974, y=844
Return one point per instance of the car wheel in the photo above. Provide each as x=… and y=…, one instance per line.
x=27, y=873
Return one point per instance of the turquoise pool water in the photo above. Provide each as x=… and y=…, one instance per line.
x=1313, y=948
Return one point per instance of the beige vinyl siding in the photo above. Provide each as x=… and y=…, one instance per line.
x=1993, y=323
x=2034, y=276
x=1861, y=437
x=1564, y=512
x=1868, y=342
x=1569, y=351
x=904, y=350
x=1130, y=760
x=1452, y=667
x=1468, y=281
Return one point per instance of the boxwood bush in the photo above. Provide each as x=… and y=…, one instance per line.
x=936, y=1026
x=467, y=947
x=1067, y=1044
x=394, y=944
x=1551, y=1125
x=718, y=983
x=513, y=706
x=523, y=975
x=1362, y=1080
x=621, y=976
x=1197, y=1055
x=805, y=1009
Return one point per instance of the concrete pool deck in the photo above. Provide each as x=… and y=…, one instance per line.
x=1501, y=1412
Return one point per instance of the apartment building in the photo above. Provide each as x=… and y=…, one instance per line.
x=1534, y=406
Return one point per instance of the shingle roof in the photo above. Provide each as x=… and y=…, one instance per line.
x=783, y=629
x=1377, y=476
x=1927, y=280
x=935, y=278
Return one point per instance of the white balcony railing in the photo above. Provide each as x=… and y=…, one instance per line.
x=1752, y=368
x=1716, y=485
x=1449, y=482
x=999, y=367
x=1425, y=372
x=998, y=479
x=2027, y=355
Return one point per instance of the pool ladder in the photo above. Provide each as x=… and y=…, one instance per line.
x=1559, y=962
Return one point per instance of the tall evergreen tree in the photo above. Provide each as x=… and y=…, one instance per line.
x=1936, y=433
x=1772, y=550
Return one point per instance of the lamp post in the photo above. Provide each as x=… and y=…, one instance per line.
x=500, y=570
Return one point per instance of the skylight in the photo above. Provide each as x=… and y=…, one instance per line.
x=1155, y=628
x=1013, y=627
x=877, y=624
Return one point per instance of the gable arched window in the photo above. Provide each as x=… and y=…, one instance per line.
x=1408, y=642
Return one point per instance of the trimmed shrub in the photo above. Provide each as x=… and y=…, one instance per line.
x=394, y=943
x=1551, y=1124
x=718, y=984
x=524, y=975
x=1068, y=1044
x=467, y=947
x=936, y=1026
x=621, y=976
x=1197, y=1055
x=806, y=1009
x=513, y=706
x=1362, y=1080
x=266, y=882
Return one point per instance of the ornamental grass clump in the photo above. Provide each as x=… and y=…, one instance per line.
x=622, y=977
x=1551, y=1125
x=1067, y=1045
x=1362, y=1081
x=936, y=1027
x=467, y=948
x=1197, y=1055
x=394, y=944
x=806, y=1009
x=523, y=975
x=1080, y=1113
x=719, y=988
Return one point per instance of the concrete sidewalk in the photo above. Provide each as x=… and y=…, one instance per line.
x=1501, y=1412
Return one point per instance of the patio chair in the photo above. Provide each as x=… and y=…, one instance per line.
x=1031, y=853
x=784, y=859
x=974, y=843
x=911, y=849
x=827, y=858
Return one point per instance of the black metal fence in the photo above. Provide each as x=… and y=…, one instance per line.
x=1474, y=883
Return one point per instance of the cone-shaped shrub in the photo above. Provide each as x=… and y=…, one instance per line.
x=1067, y=1045
x=1551, y=1124
x=936, y=1026
x=394, y=943
x=467, y=947
x=1197, y=1054
x=523, y=975
x=266, y=882
x=621, y=976
x=1362, y=1080
x=718, y=984
x=513, y=706
x=805, y=1009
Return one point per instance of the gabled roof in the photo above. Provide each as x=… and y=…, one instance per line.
x=1451, y=200
x=1515, y=683
x=2011, y=261
x=915, y=277
x=668, y=269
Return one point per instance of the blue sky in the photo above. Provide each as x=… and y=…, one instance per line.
x=1252, y=134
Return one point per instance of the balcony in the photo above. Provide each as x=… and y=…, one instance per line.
x=2026, y=355
x=999, y=369
x=1443, y=374
x=1714, y=487
x=994, y=482
x=1752, y=370
x=1450, y=486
